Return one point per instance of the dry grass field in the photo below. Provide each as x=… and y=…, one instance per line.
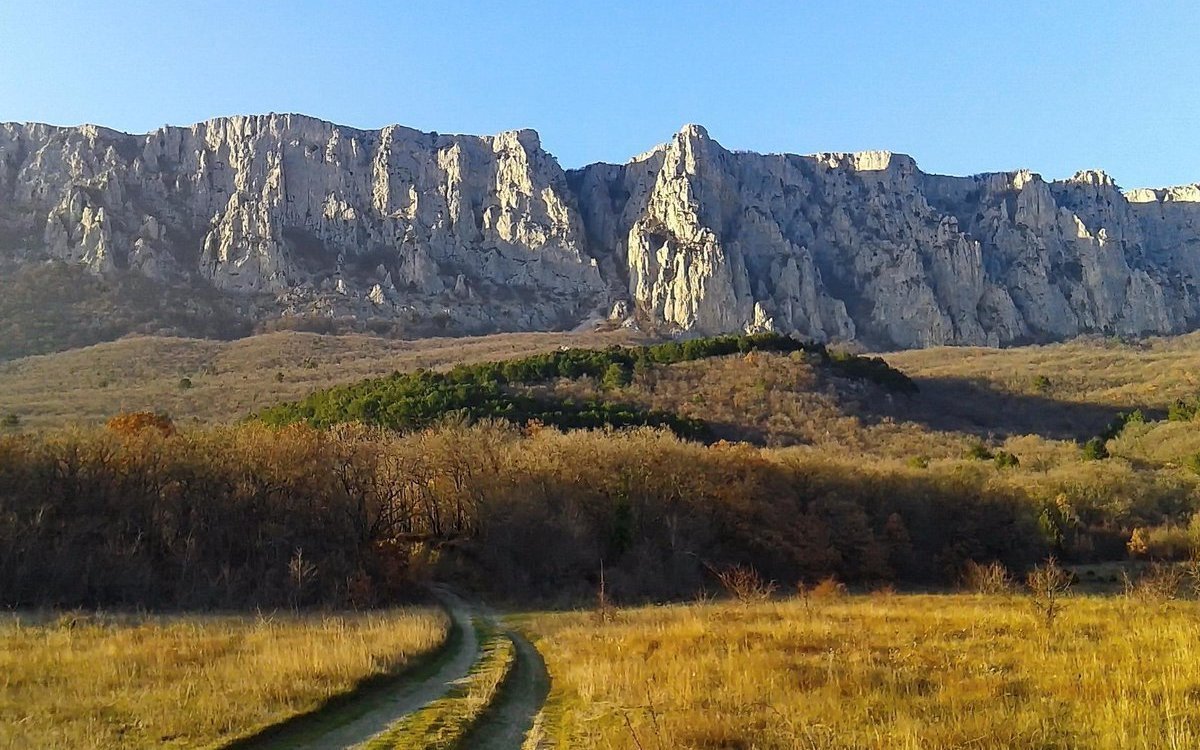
x=894, y=672
x=95, y=681
x=1148, y=373
x=226, y=380
x=1057, y=391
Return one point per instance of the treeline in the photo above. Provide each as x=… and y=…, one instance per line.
x=409, y=401
x=142, y=515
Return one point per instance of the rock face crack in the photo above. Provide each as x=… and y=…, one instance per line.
x=333, y=221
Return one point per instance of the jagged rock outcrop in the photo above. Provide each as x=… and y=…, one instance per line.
x=865, y=246
x=324, y=218
x=486, y=233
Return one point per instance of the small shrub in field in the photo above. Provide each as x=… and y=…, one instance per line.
x=919, y=462
x=828, y=588
x=1042, y=383
x=1095, y=450
x=616, y=376
x=1183, y=410
x=1167, y=542
x=1160, y=583
x=979, y=452
x=185, y=383
x=991, y=579
x=1048, y=584
x=1006, y=460
x=1191, y=570
x=10, y=420
x=1193, y=463
x=605, y=611
x=131, y=423
x=745, y=584
x=279, y=377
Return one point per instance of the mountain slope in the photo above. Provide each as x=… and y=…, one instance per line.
x=286, y=215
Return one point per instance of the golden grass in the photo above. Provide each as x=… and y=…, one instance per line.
x=189, y=681
x=446, y=722
x=231, y=379
x=1153, y=372
x=903, y=672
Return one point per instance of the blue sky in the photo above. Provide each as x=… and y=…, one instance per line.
x=963, y=86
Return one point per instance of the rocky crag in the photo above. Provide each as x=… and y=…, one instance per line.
x=291, y=216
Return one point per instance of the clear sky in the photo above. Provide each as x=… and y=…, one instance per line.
x=963, y=86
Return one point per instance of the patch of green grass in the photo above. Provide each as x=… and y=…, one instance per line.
x=446, y=722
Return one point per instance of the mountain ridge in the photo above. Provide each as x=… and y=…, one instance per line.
x=297, y=217
x=1161, y=192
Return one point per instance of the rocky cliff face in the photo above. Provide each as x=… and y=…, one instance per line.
x=487, y=233
x=865, y=246
x=323, y=219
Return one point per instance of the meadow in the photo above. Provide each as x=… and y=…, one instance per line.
x=202, y=381
x=127, y=681
x=765, y=459
x=879, y=671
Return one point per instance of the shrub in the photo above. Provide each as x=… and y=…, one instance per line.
x=1042, y=383
x=1006, y=460
x=979, y=451
x=617, y=376
x=1192, y=568
x=410, y=401
x=991, y=579
x=131, y=423
x=1048, y=584
x=1095, y=450
x=1182, y=410
x=918, y=462
x=1166, y=542
x=828, y=588
x=185, y=383
x=745, y=584
x=1192, y=462
x=10, y=420
x=875, y=369
x=1159, y=583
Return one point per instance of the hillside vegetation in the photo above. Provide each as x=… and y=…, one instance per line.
x=758, y=451
x=225, y=380
x=782, y=474
x=55, y=306
x=490, y=390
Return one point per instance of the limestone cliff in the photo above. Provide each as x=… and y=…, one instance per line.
x=324, y=219
x=485, y=233
x=865, y=246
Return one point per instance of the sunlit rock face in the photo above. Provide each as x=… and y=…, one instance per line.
x=866, y=246
x=489, y=233
x=480, y=229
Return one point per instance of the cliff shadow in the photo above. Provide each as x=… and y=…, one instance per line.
x=976, y=407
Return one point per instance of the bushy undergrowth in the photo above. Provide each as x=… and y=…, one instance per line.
x=251, y=515
x=406, y=401
x=227, y=517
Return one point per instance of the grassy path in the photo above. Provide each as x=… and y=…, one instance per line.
x=509, y=725
x=496, y=707
x=360, y=718
x=486, y=692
